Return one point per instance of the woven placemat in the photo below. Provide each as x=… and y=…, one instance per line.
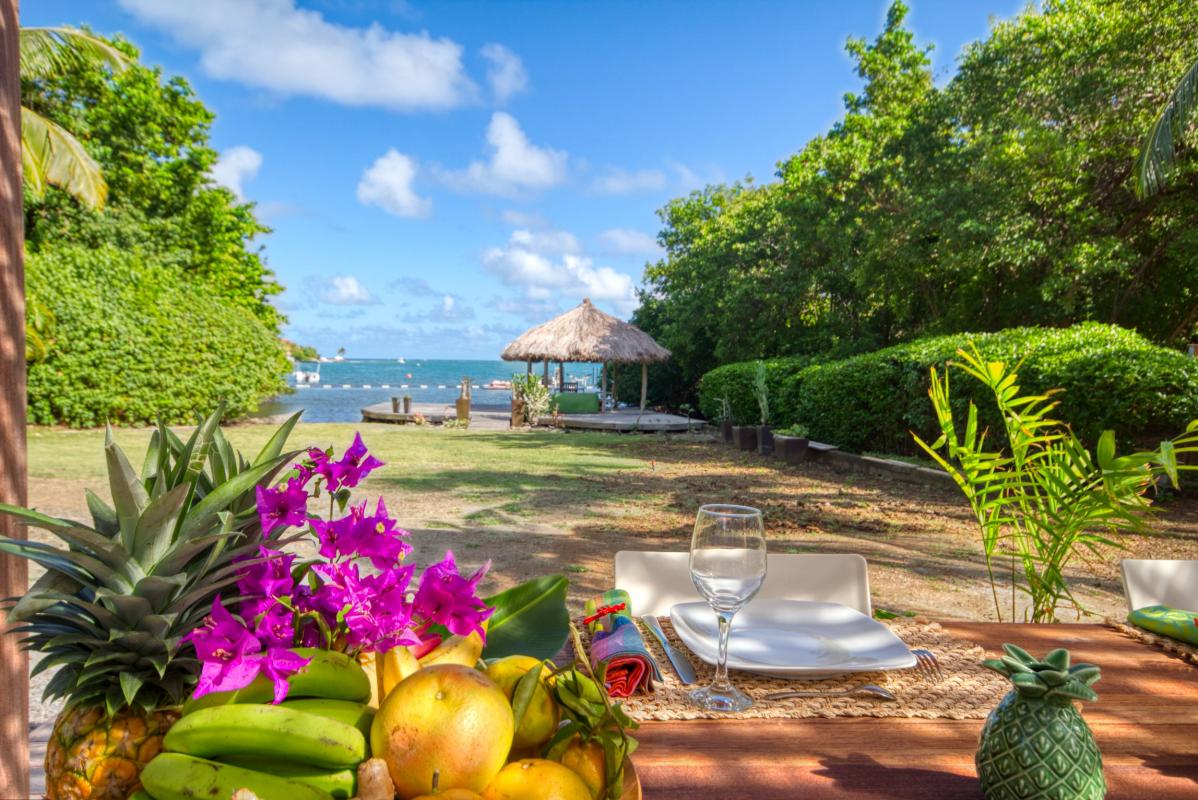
x=967, y=691
x=1182, y=650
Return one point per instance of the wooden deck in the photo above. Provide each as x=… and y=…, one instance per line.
x=1145, y=721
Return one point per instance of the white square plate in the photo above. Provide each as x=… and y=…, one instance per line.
x=793, y=639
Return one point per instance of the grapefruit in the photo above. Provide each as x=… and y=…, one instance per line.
x=448, y=719
x=541, y=719
x=536, y=779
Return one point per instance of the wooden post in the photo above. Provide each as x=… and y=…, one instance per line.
x=644, y=384
x=545, y=377
x=561, y=376
x=529, y=367
x=14, y=576
x=602, y=385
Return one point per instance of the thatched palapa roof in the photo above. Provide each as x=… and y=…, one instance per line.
x=586, y=334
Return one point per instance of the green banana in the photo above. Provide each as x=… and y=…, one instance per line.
x=329, y=674
x=359, y=715
x=340, y=783
x=174, y=776
x=270, y=731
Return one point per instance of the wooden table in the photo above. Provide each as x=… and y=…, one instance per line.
x=1145, y=721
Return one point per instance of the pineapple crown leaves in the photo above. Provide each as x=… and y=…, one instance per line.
x=1050, y=679
x=112, y=608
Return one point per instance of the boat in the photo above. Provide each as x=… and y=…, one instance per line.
x=498, y=385
x=401, y=360
x=305, y=377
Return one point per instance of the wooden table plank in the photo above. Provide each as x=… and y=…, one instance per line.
x=1146, y=726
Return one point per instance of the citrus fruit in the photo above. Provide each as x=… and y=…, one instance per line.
x=585, y=759
x=542, y=716
x=536, y=779
x=445, y=718
x=452, y=794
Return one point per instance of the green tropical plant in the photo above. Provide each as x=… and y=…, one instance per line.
x=1158, y=152
x=1040, y=495
x=761, y=391
x=529, y=619
x=529, y=390
x=50, y=154
x=120, y=593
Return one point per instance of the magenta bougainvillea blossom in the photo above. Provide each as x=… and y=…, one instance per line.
x=360, y=595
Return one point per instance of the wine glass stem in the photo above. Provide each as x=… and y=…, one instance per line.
x=721, y=667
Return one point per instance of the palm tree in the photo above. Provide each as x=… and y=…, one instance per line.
x=1158, y=153
x=49, y=153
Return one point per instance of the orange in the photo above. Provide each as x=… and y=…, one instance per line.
x=587, y=762
x=448, y=719
x=452, y=794
x=536, y=779
x=541, y=719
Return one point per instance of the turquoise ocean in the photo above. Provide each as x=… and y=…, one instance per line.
x=345, y=387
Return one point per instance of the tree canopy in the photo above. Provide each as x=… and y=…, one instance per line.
x=1003, y=197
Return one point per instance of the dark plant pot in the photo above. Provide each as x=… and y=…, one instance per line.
x=726, y=431
x=744, y=437
x=765, y=440
x=792, y=449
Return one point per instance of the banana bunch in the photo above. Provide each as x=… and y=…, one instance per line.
x=307, y=748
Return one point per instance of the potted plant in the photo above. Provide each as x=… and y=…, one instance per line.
x=724, y=420
x=791, y=443
x=761, y=391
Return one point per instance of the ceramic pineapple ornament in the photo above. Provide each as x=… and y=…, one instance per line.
x=1035, y=744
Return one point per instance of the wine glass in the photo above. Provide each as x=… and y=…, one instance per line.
x=728, y=567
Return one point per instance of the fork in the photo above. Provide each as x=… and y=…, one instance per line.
x=867, y=689
x=928, y=665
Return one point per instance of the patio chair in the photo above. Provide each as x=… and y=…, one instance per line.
x=655, y=580
x=1160, y=582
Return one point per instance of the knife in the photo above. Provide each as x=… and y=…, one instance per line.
x=686, y=673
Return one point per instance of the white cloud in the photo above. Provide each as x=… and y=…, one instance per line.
x=235, y=166
x=619, y=181
x=629, y=242
x=346, y=290
x=274, y=45
x=522, y=219
x=387, y=183
x=505, y=72
x=548, y=266
x=515, y=166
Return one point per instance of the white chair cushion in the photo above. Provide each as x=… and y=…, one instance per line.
x=657, y=580
x=1160, y=582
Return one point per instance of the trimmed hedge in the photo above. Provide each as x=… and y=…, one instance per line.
x=132, y=342
x=1110, y=378
x=735, y=382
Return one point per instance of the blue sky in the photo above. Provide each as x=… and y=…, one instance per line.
x=441, y=176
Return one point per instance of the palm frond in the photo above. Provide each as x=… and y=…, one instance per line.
x=51, y=155
x=1158, y=152
x=46, y=52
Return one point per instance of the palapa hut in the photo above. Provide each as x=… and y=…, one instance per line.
x=586, y=334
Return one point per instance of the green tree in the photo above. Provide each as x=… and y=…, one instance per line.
x=150, y=135
x=1158, y=152
x=49, y=153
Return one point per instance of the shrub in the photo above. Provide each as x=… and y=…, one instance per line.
x=735, y=383
x=133, y=342
x=1110, y=378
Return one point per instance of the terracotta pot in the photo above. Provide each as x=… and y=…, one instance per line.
x=744, y=437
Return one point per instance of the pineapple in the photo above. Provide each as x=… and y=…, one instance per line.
x=1035, y=744
x=115, y=602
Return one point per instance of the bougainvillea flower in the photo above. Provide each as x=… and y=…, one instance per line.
x=446, y=598
x=275, y=625
x=269, y=577
x=357, y=535
x=226, y=649
x=356, y=463
x=310, y=466
x=285, y=507
x=279, y=664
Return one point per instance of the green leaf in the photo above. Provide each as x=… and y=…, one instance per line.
x=130, y=684
x=529, y=619
x=523, y=694
x=274, y=446
x=128, y=495
x=155, y=529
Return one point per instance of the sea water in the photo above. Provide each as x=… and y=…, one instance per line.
x=346, y=387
